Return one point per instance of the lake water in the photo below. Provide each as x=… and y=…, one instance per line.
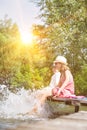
x=16, y=112
x=16, y=108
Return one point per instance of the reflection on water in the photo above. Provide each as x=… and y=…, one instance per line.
x=14, y=123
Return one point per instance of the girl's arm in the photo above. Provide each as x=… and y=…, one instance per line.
x=57, y=79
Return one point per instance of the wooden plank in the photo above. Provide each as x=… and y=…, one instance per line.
x=69, y=101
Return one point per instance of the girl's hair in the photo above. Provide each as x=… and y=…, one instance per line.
x=64, y=67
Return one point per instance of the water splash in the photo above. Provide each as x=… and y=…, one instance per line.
x=19, y=104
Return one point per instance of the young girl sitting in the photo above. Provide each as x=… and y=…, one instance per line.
x=65, y=87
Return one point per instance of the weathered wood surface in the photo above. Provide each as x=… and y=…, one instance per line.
x=70, y=101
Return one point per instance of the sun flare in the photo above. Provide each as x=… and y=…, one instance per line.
x=26, y=38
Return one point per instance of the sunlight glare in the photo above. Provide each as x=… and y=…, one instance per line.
x=26, y=37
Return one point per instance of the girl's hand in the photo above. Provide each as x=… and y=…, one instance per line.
x=55, y=91
x=59, y=91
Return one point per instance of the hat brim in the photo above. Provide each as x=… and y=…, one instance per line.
x=56, y=61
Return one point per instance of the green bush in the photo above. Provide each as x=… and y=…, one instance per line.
x=81, y=81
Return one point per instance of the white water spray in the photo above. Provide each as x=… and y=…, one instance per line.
x=19, y=105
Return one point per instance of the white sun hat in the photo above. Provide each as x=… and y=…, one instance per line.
x=61, y=59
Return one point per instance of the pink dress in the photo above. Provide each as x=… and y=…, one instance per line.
x=68, y=90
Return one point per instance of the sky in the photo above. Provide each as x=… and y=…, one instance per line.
x=23, y=12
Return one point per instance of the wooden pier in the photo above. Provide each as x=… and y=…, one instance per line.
x=70, y=101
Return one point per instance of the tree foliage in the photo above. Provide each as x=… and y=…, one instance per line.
x=20, y=65
x=66, y=25
x=64, y=32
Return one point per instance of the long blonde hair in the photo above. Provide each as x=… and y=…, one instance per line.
x=63, y=68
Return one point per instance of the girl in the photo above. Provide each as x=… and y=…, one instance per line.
x=65, y=87
x=47, y=91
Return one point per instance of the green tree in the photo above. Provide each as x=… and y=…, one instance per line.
x=81, y=81
x=66, y=22
x=9, y=38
